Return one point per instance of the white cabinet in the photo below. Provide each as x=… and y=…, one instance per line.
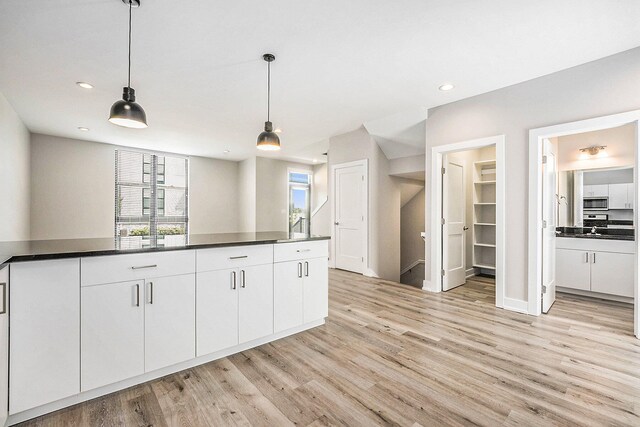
x=112, y=333
x=612, y=273
x=621, y=196
x=134, y=327
x=44, y=352
x=234, y=306
x=217, y=310
x=169, y=321
x=599, y=190
x=596, y=271
x=4, y=344
x=301, y=292
x=573, y=269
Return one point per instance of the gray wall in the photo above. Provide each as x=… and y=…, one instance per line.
x=72, y=191
x=14, y=175
x=411, y=225
x=607, y=86
x=247, y=195
x=321, y=221
x=384, y=200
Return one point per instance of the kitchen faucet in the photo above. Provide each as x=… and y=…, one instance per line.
x=593, y=230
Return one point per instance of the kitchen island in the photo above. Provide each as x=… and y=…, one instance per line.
x=108, y=318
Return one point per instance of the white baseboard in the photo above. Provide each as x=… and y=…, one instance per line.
x=101, y=391
x=426, y=286
x=628, y=300
x=412, y=265
x=518, y=305
x=471, y=272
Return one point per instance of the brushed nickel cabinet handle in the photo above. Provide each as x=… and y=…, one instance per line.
x=243, y=282
x=139, y=267
x=303, y=250
x=594, y=257
x=299, y=270
x=233, y=280
x=137, y=295
x=150, y=292
x=306, y=268
x=239, y=257
x=4, y=298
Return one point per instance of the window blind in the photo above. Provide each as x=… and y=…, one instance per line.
x=151, y=200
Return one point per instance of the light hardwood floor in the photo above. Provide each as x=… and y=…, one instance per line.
x=390, y=354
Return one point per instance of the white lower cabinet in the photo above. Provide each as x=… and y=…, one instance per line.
x=604, y=272
x=112, y=333
x=130, y=328
x=217, y=310
x=612, y=273
x=234, y=306
x=44, y=351
x=300, y=292
x=4, y=344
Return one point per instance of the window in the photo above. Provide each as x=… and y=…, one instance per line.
x=151, y=200
x=299, y=204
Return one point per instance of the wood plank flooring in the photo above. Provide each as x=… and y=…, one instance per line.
x=391, y=354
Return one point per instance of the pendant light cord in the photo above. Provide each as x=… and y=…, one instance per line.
x=129, y=71
x=269, y=91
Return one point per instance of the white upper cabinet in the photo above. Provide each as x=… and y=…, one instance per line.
x=599, y=190
x=621, y=196
x=45, y=316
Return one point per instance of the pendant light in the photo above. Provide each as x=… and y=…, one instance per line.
x=127, y=112
x=268, y=140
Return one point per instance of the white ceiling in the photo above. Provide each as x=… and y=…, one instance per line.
x=198, y=72
x=401, y=134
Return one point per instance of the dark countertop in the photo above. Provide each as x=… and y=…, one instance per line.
x=32, y=250
x=601, y=233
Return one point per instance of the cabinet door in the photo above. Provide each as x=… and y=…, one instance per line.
x=45, y=333
x=573, y=269
x=170, y=321
x=112, y=333
x=631, y=196
x=612, y=273
x=618, y=196
x=287, y=295
x=4, y=344
x=600, y=190
x=316, y=289
x=588, y=191
x=255, y=286
x=216, y=311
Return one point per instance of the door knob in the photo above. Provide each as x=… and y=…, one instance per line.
x=465, y=228
x=336, y=223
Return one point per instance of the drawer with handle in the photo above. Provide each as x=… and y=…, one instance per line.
x=233, y=257
x=122, y=268
x=300, y=250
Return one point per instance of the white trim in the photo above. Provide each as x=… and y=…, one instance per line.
x=534, y=289
x=366, y=271
x=471, y=272
x=102, y=391
x=412, y=265
x=317, y=209
x=435, y=284
x=515, y=305
x=580, y=292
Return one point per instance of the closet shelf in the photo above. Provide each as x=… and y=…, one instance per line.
x=484, y=245
x=485, y=223
x=484, y=182
x=487, y=266
x=485, y=204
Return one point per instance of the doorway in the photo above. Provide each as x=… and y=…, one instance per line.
x=467, y=214
x=583, y=211
x=350, y=216
x=299, y=203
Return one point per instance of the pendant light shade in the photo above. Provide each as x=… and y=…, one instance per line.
x=127, y=112
x=268, y=140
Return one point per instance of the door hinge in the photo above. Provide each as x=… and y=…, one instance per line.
x=544, y=160
x=443, y=273
x=544, y=224
x=443, y=171
x=363, y=177
x=544, y=289
x=362, y=259
x=442, y=221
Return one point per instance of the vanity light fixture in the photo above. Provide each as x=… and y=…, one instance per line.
x=268, y=140
x=446, y=87
x=127, y=112
x=594, y=150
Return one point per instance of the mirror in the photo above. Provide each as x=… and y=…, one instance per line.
x=600, y=197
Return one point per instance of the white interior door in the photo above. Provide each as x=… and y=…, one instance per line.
x=549, y=216
x=349, y=218
x=453, y=233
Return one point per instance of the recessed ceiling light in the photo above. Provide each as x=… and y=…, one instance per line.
x=226, y=151
x=278, y=130
x=83, y=129
x=315, y=160
x=446, y=86
x=85, y=85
